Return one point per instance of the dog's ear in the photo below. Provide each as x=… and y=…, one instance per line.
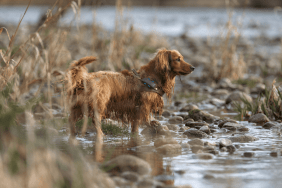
x=163, y=61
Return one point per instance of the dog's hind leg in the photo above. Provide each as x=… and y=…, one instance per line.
x=96, y=120
x=75, y=114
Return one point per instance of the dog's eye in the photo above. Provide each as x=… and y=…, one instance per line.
x=178, y=59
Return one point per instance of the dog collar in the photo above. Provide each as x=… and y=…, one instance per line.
x=151, y=84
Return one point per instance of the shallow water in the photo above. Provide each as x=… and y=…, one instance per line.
x=224, y=170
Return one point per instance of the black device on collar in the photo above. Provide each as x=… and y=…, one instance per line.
x=149, y=83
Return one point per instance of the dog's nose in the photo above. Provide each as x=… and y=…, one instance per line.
x=192, y=68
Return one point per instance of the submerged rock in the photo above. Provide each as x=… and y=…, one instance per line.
x=194, y=133
x=123, y=163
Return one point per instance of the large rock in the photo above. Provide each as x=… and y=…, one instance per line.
x=243, y=138
x=238, y=96
x=259, y=118
x=125, y=163
x=162, y=141
x=169, y=149
x=194, y=133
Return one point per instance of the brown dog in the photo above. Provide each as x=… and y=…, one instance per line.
x=124, y=95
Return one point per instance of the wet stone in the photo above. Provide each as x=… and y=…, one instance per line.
x=188, y=108
x=248, y=154
x=243, y=129
x=274, y=154
x=173, y=127
x=231, y=148
x=223, y=149
x=220, y=125
x=205, y=156
x=185, y=145
x=196, y=141
x=166, y=113
x=205, y=129
x=125, y=163
x=268, y=125
x=196, y=124
x=169, y=149
x=131, y=176
x=194, y=133
x=175, y=120
x=196, y=148
x=202, y=115
x=183, y=129
x=243, y=138
x=259, y=118
x=208, y=176
x=121, y=181
x=225, y=142
x=236, y=96
x=149, y=183
x=231, y=126
x=162, y=141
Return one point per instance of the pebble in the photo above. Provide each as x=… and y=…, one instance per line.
x=274, y=154
x=259, y=118
x=248, y=154
x=166, y=113
x=123, y=163
x=185, y=145
x=162, y=141
x=175, y=120
x=237, y=95
x=243, y=138
x=131, y=176
x=196, y=124
x=231, y=126
x=169, y=149
x=194, y=133
x=268, y=125
x=205, y=129
x=223, y=149
x=231, y=148
x=202, y=115
x=225, y=142
x=196, y=141
x=173, y=127
x=196, y=148
x=220, y=125
x=189, y=107
x=205, y=156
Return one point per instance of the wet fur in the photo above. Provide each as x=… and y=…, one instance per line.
x=121, y=95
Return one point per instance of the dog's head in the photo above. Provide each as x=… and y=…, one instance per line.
x=172, y=63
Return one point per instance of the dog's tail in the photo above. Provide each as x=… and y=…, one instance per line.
x=84, y=61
